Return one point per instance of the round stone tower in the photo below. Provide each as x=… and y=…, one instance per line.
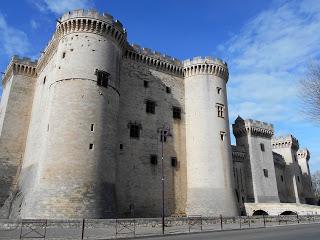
x=76, y=177
x=210, y=190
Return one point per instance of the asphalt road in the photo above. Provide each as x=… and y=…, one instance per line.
x=296, y=232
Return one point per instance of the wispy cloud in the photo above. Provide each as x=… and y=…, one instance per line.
x=269, y=55
x=61, y=6
x=12, y=40
x=34, y=24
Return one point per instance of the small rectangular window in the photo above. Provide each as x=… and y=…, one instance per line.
x=91, y=146
x=219, y=90
x=265, y=173
x=222, y=135
x=220, y=108
x=102, y=78
x=63, y=54
x=134, y=131
x=282, y=178
x=150, y=107
x=154, y=159
x=176, y=111
x=298, y=178
x=146, y=84
x=262, y=147
x=92, y=127
x=121, y=146
x=174, y=162
x=168, y=89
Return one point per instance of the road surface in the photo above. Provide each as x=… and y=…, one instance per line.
x=296, y=232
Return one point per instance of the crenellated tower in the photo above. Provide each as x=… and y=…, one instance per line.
x=303, y=161
x=255, y=137
x=79, y=73
x=287, y=146
x=15, y=109
x=210, y=185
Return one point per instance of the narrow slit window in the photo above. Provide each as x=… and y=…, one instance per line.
x=220, y=109
x=222, y=135
x=168, y=89
x=282, y=178
x=121, y=146
x=262, y=147
x=91, y=146
x=92, y=127
x=63, y=54
x=176, y=111
x=219, y=90
x=102, y=78
x=44, y=79
x=265, y=173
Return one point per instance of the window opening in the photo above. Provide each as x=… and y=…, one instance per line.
x=150, y=106
x=174, y=162
x=154, y=159
x=134, y=131
x=265, y=172
x=176, y=112
x=102, y=78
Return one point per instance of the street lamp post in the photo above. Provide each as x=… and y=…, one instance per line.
x=164, y=133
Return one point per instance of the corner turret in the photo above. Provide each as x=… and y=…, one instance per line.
x=210, y=186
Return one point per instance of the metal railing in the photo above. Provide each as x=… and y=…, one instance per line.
x=136, y=227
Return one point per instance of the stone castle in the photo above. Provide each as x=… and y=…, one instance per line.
x=81, y=133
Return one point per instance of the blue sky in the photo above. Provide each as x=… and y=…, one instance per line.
x=268, y=46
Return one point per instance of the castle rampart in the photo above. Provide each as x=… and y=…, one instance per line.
x=253, y=127
x=288, y=141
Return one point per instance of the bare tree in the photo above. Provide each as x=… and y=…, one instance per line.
x=315, y=177
x=310, y=92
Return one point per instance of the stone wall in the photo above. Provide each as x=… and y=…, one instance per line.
x=138, y=180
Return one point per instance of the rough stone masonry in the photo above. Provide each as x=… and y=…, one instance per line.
x=80, y=133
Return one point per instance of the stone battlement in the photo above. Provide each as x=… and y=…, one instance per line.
x=91, y=21
x=155, y=54
x=238, y=153
x=242, y=127
x=285, y=142
x=18, y=65
x=206, y=65
x=303, y=154
x=155, y=59
x=93, y=14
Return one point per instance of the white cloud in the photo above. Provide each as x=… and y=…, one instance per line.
x=12, y=40
x=61, y=6
x=268, y=56
x=34, y=24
